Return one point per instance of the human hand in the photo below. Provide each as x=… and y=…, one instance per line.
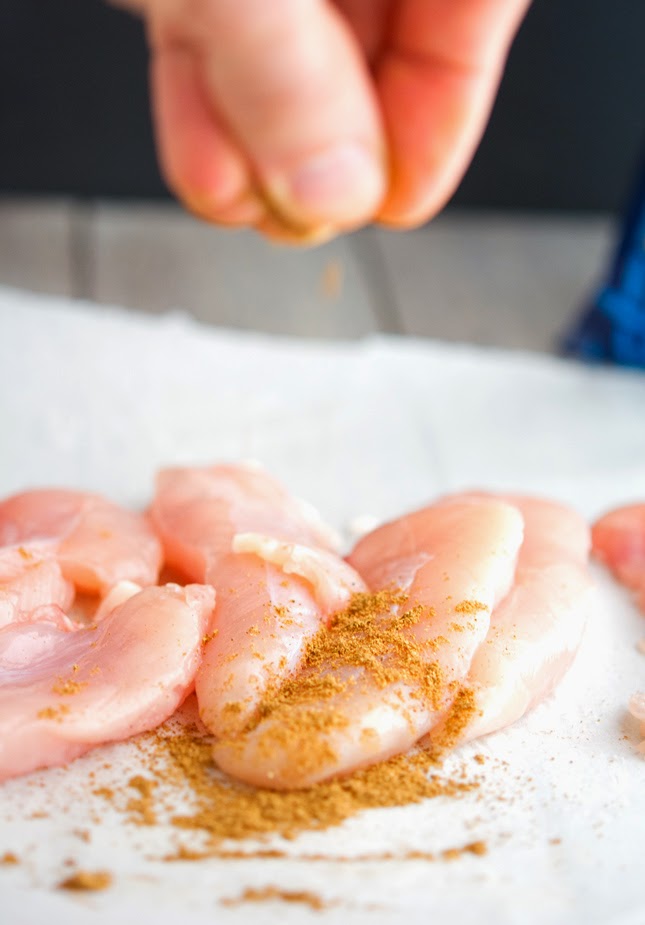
x=304, y=118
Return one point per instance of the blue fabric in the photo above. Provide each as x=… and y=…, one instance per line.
x=612, y=330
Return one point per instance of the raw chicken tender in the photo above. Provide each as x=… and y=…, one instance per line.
x=455, y=561
x=637, y=710
x=619, y=541
x=30, y=578
x=65, y=692
x=536, y=630
x=97, y=543
x=277, y=580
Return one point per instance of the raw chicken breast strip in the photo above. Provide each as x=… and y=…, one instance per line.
x=97, y=543
x=618, y=540
x=456, y=561
x=536, y=630
x=268, y=556
x=31, y=578
x=637, y=710
x=63, y=693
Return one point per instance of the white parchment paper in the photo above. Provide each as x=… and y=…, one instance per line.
x=98, y=398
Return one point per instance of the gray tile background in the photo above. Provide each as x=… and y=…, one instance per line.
x=509, y=280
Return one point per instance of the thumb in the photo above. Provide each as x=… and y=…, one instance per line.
x=292, y=88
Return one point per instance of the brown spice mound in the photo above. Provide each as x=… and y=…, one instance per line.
x=272, y=893
x=87, y=880
x=9, y=858
x=225, y=809
x=369, y=647
x=373, y=645
x=369, y=636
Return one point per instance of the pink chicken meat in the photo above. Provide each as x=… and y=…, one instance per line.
x=505, y=594
x=619, y=541
x=277, y=579
x=31, y=578
x=536, y=630
x=64, y=692
x=96, y=543
x=455, y=561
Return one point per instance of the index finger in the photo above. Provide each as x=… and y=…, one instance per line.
x=437, y=81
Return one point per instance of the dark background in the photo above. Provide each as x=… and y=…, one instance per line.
x=566, y=132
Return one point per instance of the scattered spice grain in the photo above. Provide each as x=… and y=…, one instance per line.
x=68, y=687
x=273, y=893
x=143, y=807
x=53, y=712
x=470, y=607
x=87, y=880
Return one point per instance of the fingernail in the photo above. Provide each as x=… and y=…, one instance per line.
x=341, y=185
x=246, y=210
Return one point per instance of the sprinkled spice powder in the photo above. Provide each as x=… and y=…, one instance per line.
x=180, y=765
x=470, y=607
x=66, y=688
x=369, y=648
x=53, y=712
x=373, y=635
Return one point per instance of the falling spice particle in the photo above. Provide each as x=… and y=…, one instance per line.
x=86, y=880
x=331, y=282
x=276, y=893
